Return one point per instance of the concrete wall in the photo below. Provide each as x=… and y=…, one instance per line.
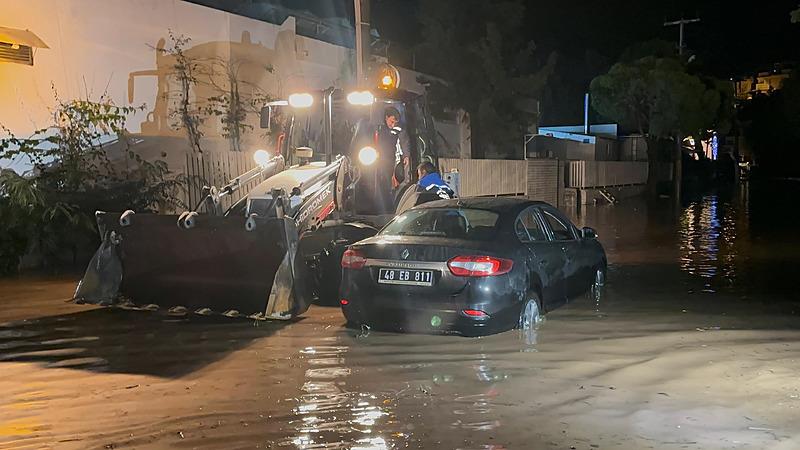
x=632, y=148
x=599, y=149
x=550, y=147
x=545, y=181
x=116, y=48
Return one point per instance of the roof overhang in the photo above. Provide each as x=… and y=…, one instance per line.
x=14, y=36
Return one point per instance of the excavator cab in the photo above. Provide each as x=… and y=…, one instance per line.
x=278, y=248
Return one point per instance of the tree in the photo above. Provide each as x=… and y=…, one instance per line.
x=660, y=99
x=487, y=70
x=50, y=210
x=795, y=15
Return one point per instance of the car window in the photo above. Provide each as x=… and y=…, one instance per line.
x=522, y=233
x=456, y=223
x=561, y=231
x=528, y=228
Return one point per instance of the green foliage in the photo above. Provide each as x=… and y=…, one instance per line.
x=795, y=16
x=657, y=97
x=50, y=210
x=474, y=47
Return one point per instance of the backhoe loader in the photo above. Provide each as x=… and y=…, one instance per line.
x=277, y=250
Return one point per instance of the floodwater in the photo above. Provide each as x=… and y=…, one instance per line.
x=695, y=344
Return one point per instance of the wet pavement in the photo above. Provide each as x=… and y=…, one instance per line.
x=695, y=344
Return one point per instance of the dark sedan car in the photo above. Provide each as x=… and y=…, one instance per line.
x=470, y=266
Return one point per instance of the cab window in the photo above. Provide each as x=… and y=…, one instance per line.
x=561, y=230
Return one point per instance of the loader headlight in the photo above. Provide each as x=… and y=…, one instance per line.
x=262, y=157
x=361, y=98
x=367, y=156
x=301, y=100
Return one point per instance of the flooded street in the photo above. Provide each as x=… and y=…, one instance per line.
x=695, y=344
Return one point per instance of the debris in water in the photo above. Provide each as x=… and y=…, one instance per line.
x=180, y=433
x=760, y=429
x=132, y=386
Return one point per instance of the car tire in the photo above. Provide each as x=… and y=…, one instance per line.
x=530, y=315
x=598, y=283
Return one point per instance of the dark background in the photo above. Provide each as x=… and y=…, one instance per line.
x=733, y=39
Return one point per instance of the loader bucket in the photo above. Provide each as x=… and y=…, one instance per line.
x=218, y=265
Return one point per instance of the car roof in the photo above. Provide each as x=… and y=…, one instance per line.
x=500, y=205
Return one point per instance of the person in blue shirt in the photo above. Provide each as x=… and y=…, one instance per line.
x=431, y=183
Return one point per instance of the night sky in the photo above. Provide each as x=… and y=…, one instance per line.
x=733, y=38
x=730, y=40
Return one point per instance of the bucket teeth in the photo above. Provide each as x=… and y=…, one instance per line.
x=231, y=313
x=203, y=312
x=177, y=310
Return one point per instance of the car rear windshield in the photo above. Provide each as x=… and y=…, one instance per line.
x=454, y=223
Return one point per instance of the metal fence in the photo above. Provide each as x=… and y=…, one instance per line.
x=215, y=169
x=591, y=174
x=488, y=177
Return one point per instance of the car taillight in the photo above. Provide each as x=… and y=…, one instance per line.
x=474, y=313
x=479, y=266
x=344, y=302
x=353, y=259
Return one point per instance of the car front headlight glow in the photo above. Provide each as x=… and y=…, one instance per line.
x=367, y=156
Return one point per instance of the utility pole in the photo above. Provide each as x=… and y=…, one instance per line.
x=680, y=24
x=677, y=174
x=362, y=38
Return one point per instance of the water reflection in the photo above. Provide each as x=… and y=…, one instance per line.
x=329, y=415
x=708, y=234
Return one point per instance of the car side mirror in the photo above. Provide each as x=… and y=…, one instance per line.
x=266, y=117
x=588, y=233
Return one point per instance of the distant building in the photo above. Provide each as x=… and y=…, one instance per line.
x=601, y=143
x=762, y=82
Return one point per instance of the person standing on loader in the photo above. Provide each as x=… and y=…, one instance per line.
x=394, y=147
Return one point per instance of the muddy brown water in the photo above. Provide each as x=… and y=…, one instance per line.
x=695, y=344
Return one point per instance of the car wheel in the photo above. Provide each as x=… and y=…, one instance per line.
x=530, y=315
x=598, y=283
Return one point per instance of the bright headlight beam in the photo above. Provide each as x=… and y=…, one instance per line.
x=262, y=157
x=301, y=100
x=361, y=98
x=367, y=156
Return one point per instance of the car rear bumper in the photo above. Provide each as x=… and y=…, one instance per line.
x=394, y=314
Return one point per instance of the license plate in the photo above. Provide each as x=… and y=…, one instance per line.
x=408, y=277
